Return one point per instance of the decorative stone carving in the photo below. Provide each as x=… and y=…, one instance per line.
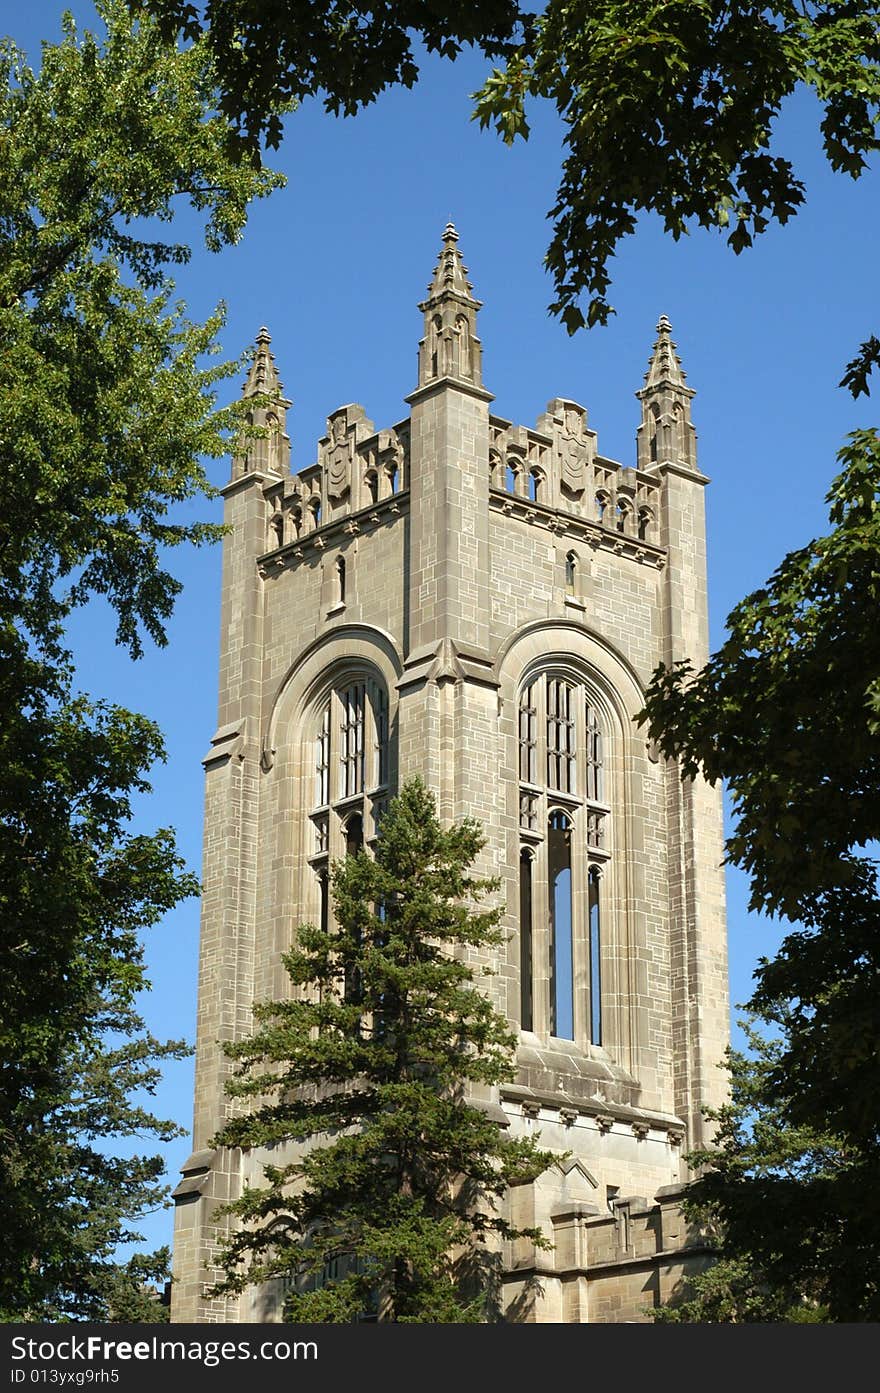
x=340, y=453
x=573, y=453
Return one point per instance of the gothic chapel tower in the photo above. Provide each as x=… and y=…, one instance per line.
x=483, y=604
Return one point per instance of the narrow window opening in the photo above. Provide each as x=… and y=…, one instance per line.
x=393, y=478
x=340, y=580
x=381, y=711
x=373, y=487
x=534, y=486
x=560, y=737
x=528, y=736
x=322, y=760
x=436, y=326
x=595, y=882
x=525, y=939
x=352, y=732
x=594, y=755
x=322, y=835
x=324, y=891
x=570, y=571
x=278, y=531
x=561, y=969
x=510, y=479
x=354, y=835
x=354, y=840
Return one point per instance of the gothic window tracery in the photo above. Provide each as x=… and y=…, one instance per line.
x=351, y=763
x=564, y=850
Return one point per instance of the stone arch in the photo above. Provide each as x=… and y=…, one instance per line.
x=567, y=650
x=347, y=645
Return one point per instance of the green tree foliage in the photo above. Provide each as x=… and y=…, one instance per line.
x=668, y=106
x=134, y=1292
x=671, y=108
x=787, y=712
x=104, y=413
x=271, y=54
x=765, y=1176
x=395, y=1193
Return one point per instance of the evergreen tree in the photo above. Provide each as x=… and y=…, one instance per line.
x=388, y=1201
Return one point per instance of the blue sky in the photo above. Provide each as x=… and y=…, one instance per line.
x=335, y=265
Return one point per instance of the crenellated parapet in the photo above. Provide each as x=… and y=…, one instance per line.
x=554, y=476
x=357, y=470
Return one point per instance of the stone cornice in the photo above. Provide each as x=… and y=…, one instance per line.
x=681, y=471
x=266, y=477
x=604, y=1113
x=439, y=384
x=562, y=524
x=387, y=510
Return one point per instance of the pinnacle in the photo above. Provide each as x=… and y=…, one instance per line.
x=263, y=374
x=450, y=273
x=665, y=364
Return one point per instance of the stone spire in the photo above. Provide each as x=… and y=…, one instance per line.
x=269, y=453
x=450, y=347
x=263, y=374
x=666, y=433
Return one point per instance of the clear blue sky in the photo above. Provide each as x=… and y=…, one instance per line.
x=335, y=265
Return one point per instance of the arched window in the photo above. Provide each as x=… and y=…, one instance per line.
x=602, y=502
x=536, y=485
x=570, y=571
x=510, y=478
x=372, y=482
x=340, y=580
x=351, y=768
x=624, y=515
x=564, y=848
x=278, y=530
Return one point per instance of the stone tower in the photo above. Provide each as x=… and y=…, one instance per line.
x=481, y=603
